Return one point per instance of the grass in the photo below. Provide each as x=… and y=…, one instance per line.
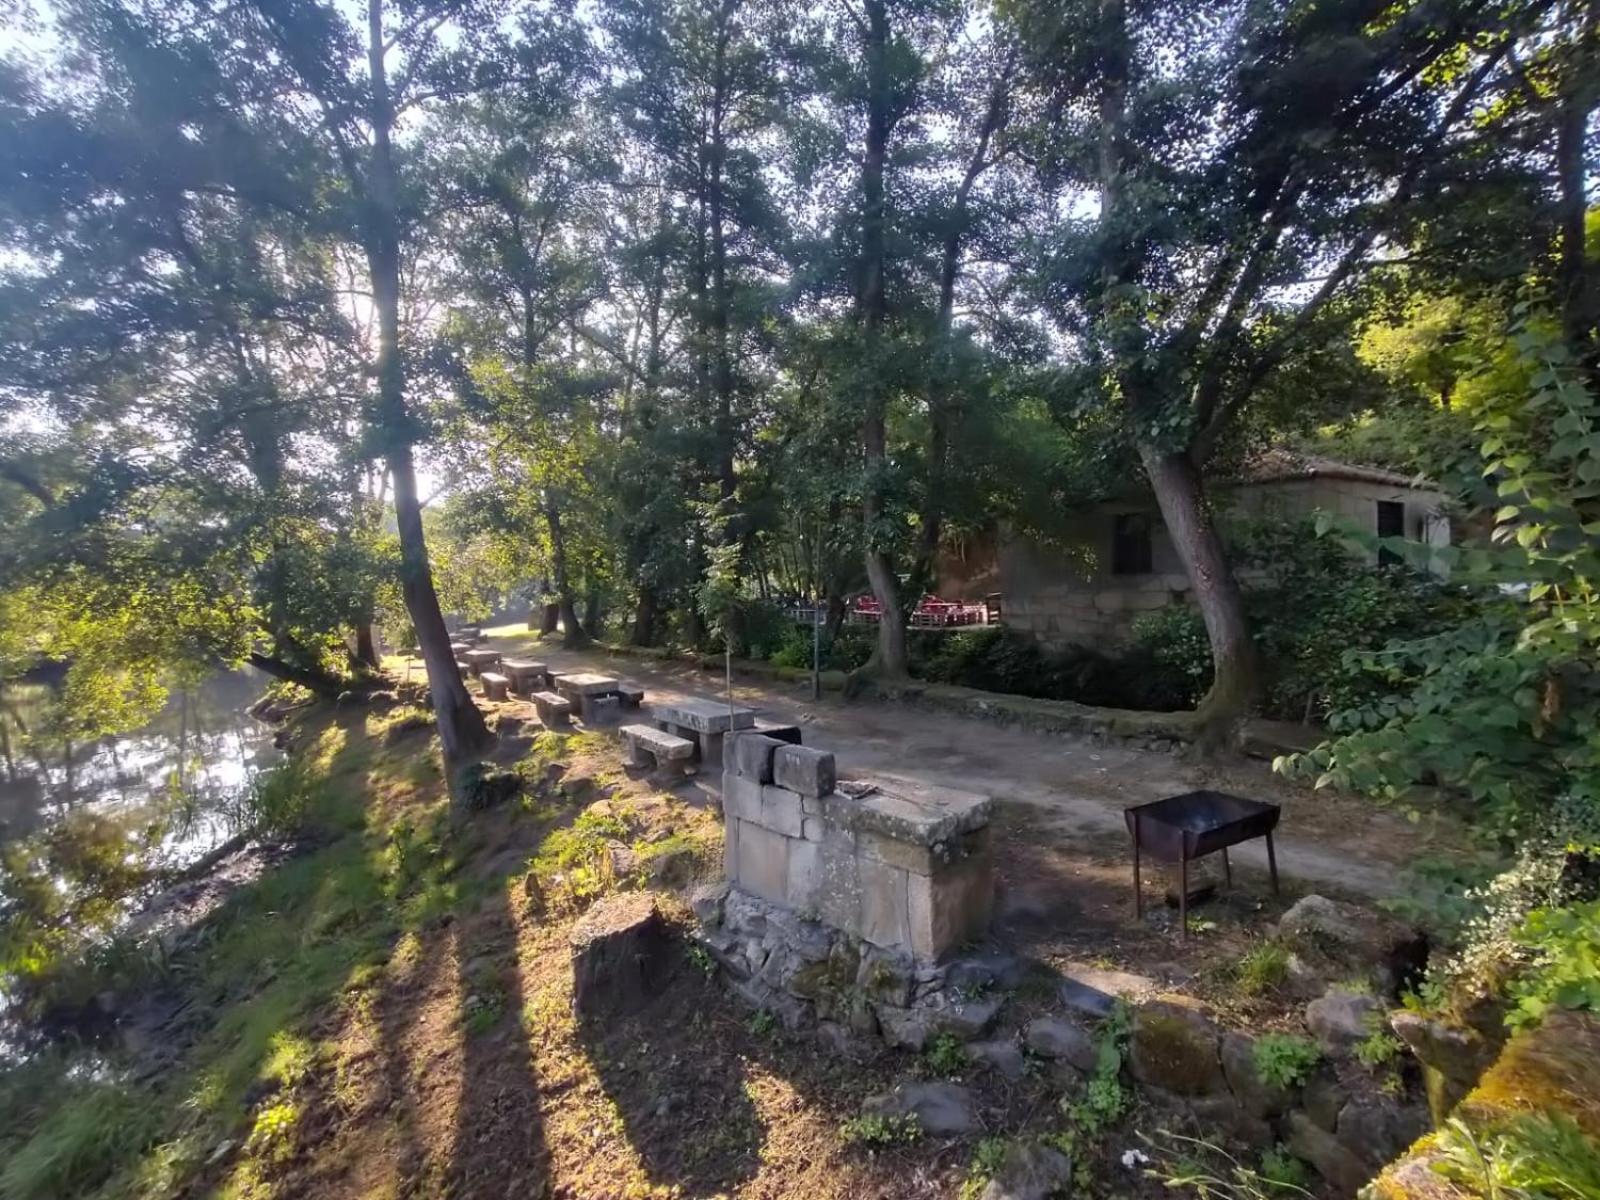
x=279, y=951
x=1262, y=968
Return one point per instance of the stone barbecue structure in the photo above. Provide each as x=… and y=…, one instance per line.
x=899, y=864
x=847, y=901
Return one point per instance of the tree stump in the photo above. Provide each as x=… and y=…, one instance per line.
x=619, y=951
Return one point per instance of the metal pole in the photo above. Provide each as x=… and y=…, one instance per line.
x=816, y=612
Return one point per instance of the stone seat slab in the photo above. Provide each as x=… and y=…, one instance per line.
x=660, y=746
x=631, y=694
x=555, y=711
x=495, y=685
x=778, y=730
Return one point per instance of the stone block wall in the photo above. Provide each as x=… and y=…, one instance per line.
x=902, y=866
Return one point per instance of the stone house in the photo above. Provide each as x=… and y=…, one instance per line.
x=1116, y=560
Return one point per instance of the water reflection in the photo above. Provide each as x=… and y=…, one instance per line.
x=183, y=767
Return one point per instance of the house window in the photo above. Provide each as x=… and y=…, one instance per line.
x=1130, y=544
x=1391, y=524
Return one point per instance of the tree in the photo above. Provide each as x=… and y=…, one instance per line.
x=1232, y=172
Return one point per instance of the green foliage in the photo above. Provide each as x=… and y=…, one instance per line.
x=1283, y=1171
x=988, y=1157
x=1564, y=945
x=575, y=862
x=1262, y=968
x=280, y=800
x=1285, y=1060
x=945, y=1057
x=762, y=1023
x=1104, y=1099
x=874, y=1129
x=1501, y=704
x=91, y=1131
x=1528, y=1156
x=1378, y=1049
x=481, y=786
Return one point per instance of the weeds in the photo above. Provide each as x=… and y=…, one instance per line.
x=1262, y=968
x=1211, y=1173
x=700, y=959
x=945, y=1057
x=987, y=1160
x=1530, y=1156
x=1378, y=1049
x=762, y=1023
x=1285, y=1060
x=875, y=1129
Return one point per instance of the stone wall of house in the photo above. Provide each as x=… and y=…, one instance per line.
x=1064, y=593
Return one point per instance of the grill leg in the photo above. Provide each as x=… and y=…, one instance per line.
x=1138, y=889
x=1227, y=867
x=1183, y=894
x=1272, y=864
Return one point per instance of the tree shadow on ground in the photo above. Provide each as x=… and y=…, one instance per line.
x=499, y=1141
x=678, y=1082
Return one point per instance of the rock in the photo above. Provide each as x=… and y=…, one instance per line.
x=964, y=1019
x=1323, y=1096
x=1376, y=1128
x=909, y=1028
x=1329, y=939
x=1030, y=1171
x=1094, y=993
x=940, y=1108
x=1339, y=1019
x=707, y=901
x=620, y=953
x=1001, y=1056
x=1307, y=1140
x=1052, y=1037
x=886, y=976
x=1453, y=1057
x=1175, y=1048
x=1253, y=1094
x=1223, y=1111
x=993, y=969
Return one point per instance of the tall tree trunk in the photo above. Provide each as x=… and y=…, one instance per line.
x=462, y=732
x=644, y=617
x=722, y=355
x=591, y=612
x=1236, y=679
x=572, y=633
x=549, y=619
x=1580, y=306
x=366, y=645
x=890, y=657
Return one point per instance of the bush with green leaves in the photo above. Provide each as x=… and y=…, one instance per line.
x=1501, y=705
x=1285, y=1060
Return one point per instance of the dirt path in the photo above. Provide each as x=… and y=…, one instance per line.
x=1074, y=790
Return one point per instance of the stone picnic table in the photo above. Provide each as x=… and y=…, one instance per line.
x=479, y=659
x=526, y=675
x=704, y=722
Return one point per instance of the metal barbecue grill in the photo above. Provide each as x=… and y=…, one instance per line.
x=1183, y=828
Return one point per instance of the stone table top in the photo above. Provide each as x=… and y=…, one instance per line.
x=587, y=684
x=702, y=716
x=908, y=810
x=522, y=664
x=481, y=656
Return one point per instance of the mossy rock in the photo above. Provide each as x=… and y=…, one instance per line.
x=1175, y=1047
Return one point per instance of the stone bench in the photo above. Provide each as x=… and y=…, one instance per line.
x=588, y=692
x=464, y=668
x=555, y=712
x=631, y=694
x=495, y=686
x=647, y=746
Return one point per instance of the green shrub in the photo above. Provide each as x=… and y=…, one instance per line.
x=1262, y=968
x=1564, y=944
x=1285, y=1060
x=80, y=1142
x=872, y=1129
x=1530, y=1156
x=945, y=1056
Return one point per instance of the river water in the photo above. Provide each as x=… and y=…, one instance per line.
x=183, y=768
